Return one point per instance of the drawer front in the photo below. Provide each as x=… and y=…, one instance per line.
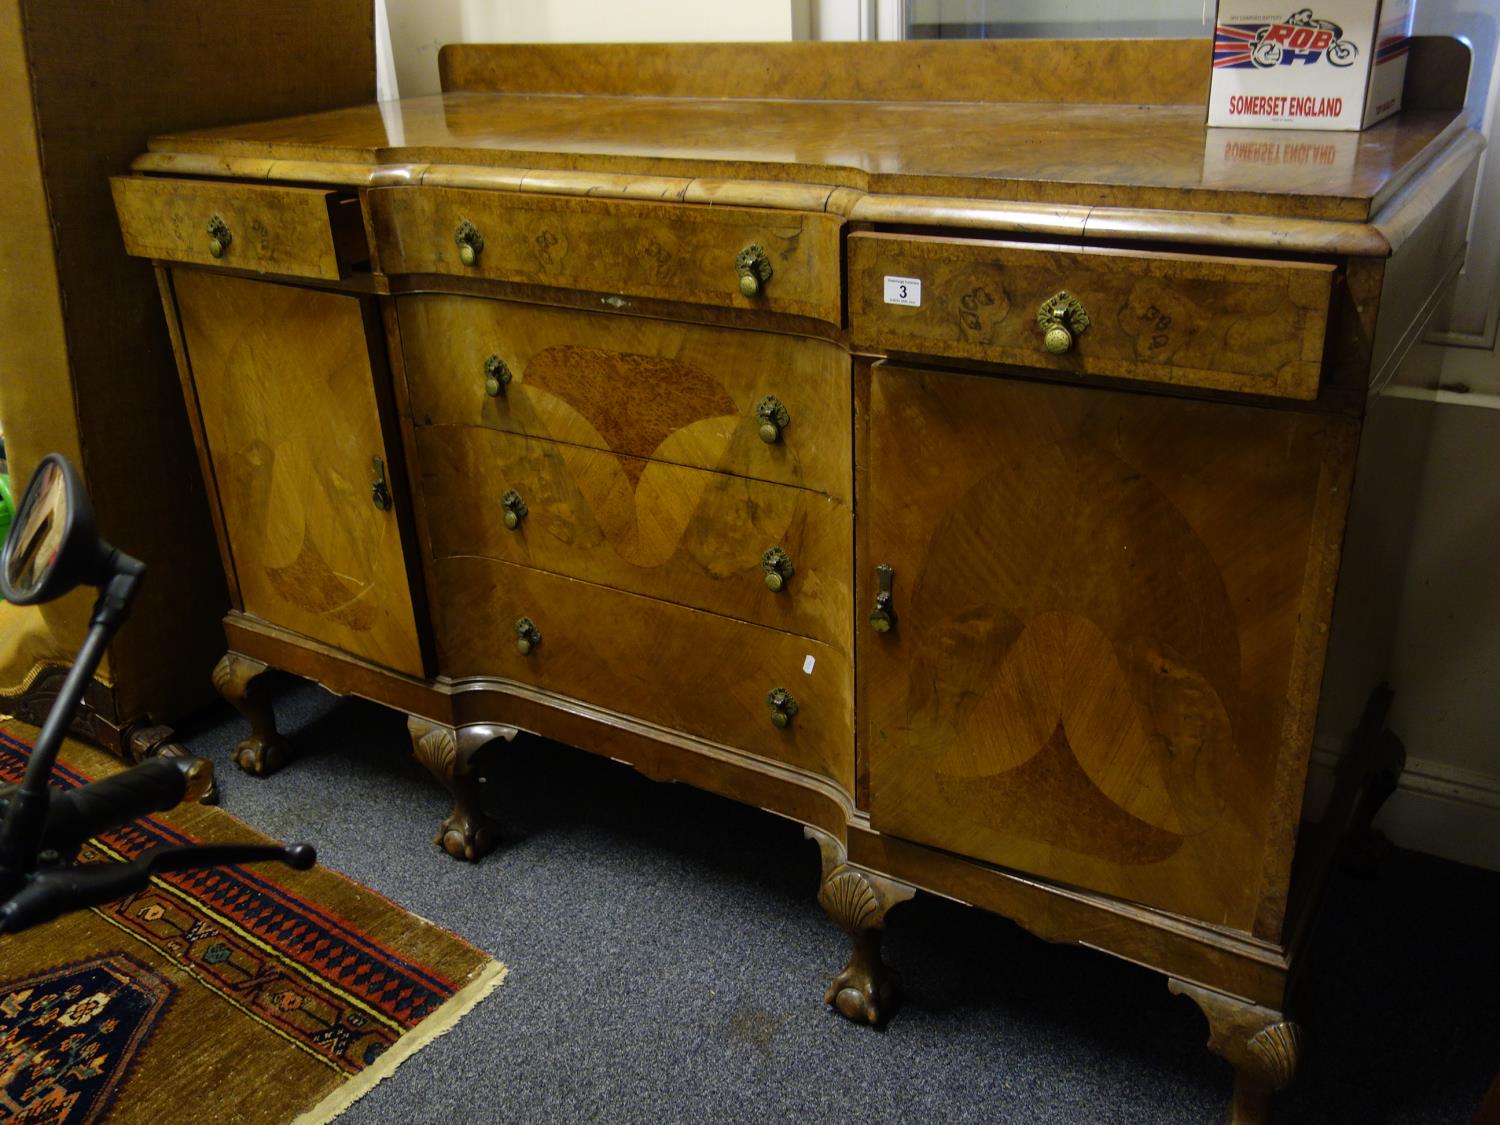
x=297, y=232
x=682, y=535
x=1220, y=323
x=681, y=393
x=678, y=668
x=671, y=251
x=1109, y=610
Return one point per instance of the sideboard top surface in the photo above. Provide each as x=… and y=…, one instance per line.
x=1124, y=156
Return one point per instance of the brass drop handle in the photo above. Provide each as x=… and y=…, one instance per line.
x=783, y=707
x=773, y=419
x=778, y=567
x=497, y=376
x=515, y=508
x=883, y=617
x=1061, y=318
x=380, y=493
x=528, y=636
x=219, y=237
x=754, y=268
x=470, y=242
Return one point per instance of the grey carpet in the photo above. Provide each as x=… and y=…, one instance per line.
x=668, y=959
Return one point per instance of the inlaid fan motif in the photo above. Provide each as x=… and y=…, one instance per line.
x=1099, y=683
x=648, y=411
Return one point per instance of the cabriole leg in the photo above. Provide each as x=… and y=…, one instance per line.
x=867, y=989
x=265, y=751
x=451, y=755
x=1259, y=1043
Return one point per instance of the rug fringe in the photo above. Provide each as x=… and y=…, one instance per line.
x=439, y=1023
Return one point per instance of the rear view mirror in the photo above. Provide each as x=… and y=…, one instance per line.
x=52, y=545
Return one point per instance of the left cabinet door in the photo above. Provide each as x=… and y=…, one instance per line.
x=286, y=391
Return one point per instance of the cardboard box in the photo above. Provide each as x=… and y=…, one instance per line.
x=1338, y=65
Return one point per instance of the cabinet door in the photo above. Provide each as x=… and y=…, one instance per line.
x=286, y=392
x=1110, y=616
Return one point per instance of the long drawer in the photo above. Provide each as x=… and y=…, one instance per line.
x=682, y=535
x=296, y=232
x=1222, y=323
x=671, y=251
x=681, y=393
x=677, y=668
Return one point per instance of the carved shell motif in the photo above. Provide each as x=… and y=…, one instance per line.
x=436, y=748
x=1276, y=1048
x=233, y=673
x=850, y=900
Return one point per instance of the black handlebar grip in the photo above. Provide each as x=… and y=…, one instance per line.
x=155, y=785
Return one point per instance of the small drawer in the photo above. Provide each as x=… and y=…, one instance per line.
x=678, y=668
x=685, y=394
x=297, y=232
x=683, y=535
x=671, y=251
x=1222, y=323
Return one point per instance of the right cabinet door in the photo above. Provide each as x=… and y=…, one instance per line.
x=1110, y=618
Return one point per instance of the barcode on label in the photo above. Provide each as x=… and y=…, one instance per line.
x=903, y=291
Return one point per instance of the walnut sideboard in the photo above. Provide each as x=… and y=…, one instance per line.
x=963, y=476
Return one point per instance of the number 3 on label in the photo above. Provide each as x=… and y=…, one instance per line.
x=903, y=291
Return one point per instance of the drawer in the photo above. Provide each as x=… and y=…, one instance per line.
x=298, y=232
x=1221, y=323
x=681, y=393
x=682, y=535
x=677, y=668
x=672, y=251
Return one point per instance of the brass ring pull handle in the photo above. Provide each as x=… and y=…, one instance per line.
x=783, y=707
x=778, y=567
x=497, y=376
x=528, y=636
x=754, y=268
x=470, y=242
x=773, y=419
x=380, y=492
x=883, y=617
x=515, y=508
x=1061, y=318
x=219, y=237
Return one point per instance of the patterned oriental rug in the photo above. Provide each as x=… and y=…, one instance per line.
x=246, y=994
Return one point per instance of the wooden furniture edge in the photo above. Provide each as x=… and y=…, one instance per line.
x=1419, y=192
x=183, y=364
x=1056, y=220
x=1305, y=675
x=1223, y=960
x=656, y=752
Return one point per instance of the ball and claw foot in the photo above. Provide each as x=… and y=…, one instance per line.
x=867, y=989
x=464, y=837
x=452, y=756
x=262, y=757
x=237, y=679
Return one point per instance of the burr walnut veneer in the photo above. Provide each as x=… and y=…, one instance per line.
x=963, y=477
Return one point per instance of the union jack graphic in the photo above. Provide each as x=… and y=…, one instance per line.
x=1232, y=43
x=1391, y=47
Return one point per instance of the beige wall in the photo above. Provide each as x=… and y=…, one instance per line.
x=420, y=27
